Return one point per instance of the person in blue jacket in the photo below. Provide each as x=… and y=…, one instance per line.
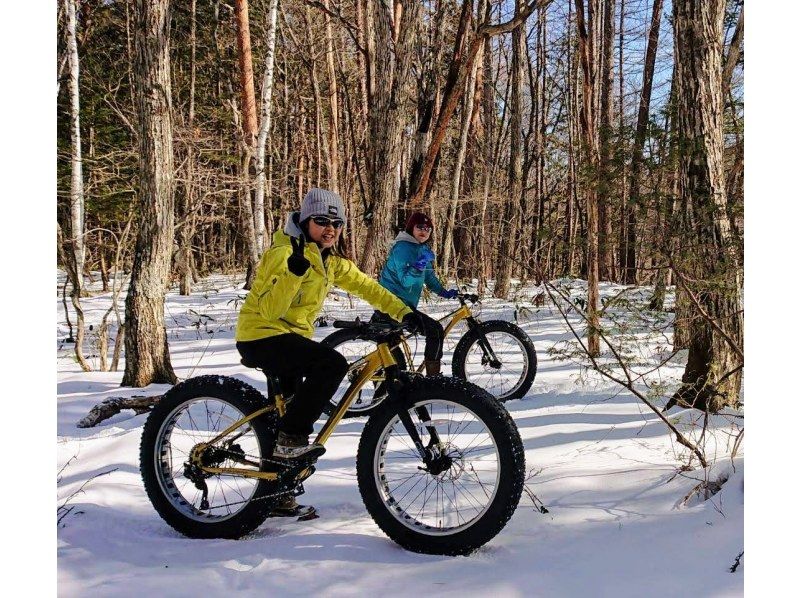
x=408, y=268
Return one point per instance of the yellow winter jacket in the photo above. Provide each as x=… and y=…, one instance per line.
x=280, y=302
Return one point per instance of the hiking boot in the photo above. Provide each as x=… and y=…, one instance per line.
x=287, y=506
x=433, y=367
x=295, y=446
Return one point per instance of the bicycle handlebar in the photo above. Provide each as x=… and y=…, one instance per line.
x=348, y=323
x=471, y=297
x=378, y=327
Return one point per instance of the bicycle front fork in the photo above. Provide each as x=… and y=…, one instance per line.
x=488, y=353
x=397, y=388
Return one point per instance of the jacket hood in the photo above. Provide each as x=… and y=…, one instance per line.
x=404, y=236
x=292, y=227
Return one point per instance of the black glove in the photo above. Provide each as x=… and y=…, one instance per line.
x=414, y=322
x=298, y=264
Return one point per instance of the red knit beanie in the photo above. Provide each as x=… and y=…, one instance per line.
x=415, y=219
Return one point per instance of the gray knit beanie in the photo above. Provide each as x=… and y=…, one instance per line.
x=321, y=202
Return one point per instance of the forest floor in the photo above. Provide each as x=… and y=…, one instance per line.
x=612, y=479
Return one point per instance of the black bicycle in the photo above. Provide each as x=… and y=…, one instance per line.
x=496, y=355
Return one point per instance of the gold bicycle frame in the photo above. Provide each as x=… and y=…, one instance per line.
x=381, y=358
x=461, y=313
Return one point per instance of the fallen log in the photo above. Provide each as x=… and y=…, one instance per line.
x=110, y=407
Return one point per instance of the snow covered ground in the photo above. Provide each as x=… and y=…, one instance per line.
x=604, y=466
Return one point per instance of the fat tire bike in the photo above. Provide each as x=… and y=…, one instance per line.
x=496, y=355
x=440, y=464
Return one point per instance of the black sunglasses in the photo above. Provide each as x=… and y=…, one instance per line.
x=325, y=221
x=423, y=227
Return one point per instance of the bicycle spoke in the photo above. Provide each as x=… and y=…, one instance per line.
x=510, y=352
x=200, y=421
x=448, y=492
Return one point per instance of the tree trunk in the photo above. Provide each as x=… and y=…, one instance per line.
x=541, y=123
x=606, y=175
x=508, y=230
x=146, y=352
x=262, y=234
x=489, y=119
x=466, y=117
x=709, y=271
x=76, y=199
x=186, y=207
x=333, y=103
x=387, y=118
x=249, y=130
x=628, y=264
x=572, y=178
x=76, y=202
x=428, y=97
x=588, y=58
x=733, y=55
x=461, y=65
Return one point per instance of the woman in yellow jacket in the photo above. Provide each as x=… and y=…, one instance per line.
x=276, y=321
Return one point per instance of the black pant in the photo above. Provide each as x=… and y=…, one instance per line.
x=292, y=357
x=434, y=334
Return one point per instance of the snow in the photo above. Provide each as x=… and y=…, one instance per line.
x=605, y=467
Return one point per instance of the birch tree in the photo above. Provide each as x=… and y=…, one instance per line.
x=264, y=130
x=76, y=198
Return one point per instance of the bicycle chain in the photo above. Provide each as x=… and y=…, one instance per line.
x=297, y=490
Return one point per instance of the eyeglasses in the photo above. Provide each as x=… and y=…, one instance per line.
x=324, y=221
x=423, y=227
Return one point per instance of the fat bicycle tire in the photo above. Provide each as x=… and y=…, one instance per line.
x=163, y=492
x=406, y=529
x=497, y=327
x=340, y=338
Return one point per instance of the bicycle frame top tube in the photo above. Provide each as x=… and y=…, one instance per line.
x=462, y=313
x=380, y=358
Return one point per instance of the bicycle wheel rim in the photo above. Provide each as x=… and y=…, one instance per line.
x=453, y=500
x=188, y=424
x=506, y=380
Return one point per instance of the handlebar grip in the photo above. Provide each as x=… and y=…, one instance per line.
x=347, y=324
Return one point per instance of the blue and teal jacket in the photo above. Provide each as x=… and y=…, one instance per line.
x=400, y=276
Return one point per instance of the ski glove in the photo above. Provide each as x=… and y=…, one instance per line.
x=425, y=257
x=298, y=264
x=449, y=294
x=414, y=322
